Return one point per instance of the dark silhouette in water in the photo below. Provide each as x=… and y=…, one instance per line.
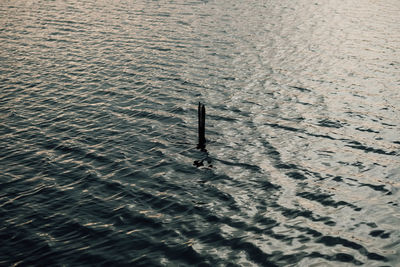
x=200, y=163
x=201, y=110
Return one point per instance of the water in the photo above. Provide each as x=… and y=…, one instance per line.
x=99, y=122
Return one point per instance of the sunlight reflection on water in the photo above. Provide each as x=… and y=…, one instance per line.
x=98, y=125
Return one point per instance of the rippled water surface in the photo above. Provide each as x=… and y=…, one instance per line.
x=98, y=133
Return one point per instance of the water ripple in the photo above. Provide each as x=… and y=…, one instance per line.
x=98, y=132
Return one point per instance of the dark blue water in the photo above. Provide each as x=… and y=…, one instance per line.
x=98, y=133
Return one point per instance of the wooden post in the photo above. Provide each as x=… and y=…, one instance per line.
x=202, y=126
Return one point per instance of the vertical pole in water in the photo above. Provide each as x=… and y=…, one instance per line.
x=202, y=126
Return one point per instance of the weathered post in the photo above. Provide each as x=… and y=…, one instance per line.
x=202, y=126
x=201, y=110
